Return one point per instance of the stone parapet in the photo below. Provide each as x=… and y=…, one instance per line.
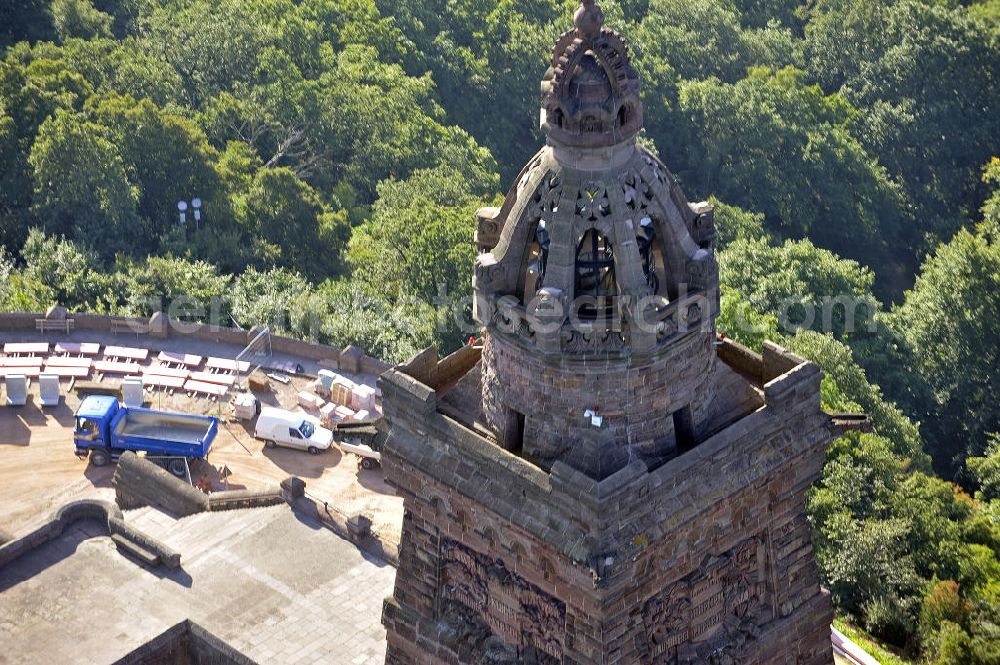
x=160, y=326
x=469, y=462
x=139, y=482
x=622, y=559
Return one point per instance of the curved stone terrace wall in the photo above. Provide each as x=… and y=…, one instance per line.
x=104, y=513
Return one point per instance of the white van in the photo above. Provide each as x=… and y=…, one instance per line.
x=278, y=427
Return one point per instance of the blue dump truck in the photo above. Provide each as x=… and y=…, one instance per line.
x=103, y=429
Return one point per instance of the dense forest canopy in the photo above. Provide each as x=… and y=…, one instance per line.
x=341, y=147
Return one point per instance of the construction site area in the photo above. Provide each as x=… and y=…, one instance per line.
x=39, y=471
x=287, y=539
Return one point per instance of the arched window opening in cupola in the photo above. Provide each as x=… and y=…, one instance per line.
x=651, y=253
x=535, y=262
x=595, y=277
x=624, y=115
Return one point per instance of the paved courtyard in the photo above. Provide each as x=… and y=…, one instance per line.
x=274, y=585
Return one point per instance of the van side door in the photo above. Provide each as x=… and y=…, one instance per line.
x=295, y=439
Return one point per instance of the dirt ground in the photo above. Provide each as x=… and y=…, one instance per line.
x=39, y=472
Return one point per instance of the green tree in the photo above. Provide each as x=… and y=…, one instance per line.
x=125, y=68
x=943, y=602
x=741, y=138
x=761, y=12
x=187, y=290
x=281, y=117
x=797, y=285
x=19, y=293
x=802, y=285
x=950, y=316
x=988, y=13
x=356, y=313
x=486, y=59
x=387, y=123
x=29, y=94
x=79, y=18
x=216, y=46
x=343, y=22
x=418, y=240
x=25, y=20
x=734, y=223
x=870, y=573
x=168, y=158
x=125, y=15
x=845, y=384
x=691, y=40
x=81, y=187
x=288, y=227
x=924, y=76
x=277, y=298
x=985, y=470
x=69, y=272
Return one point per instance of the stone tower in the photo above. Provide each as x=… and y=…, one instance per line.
x=604, y=479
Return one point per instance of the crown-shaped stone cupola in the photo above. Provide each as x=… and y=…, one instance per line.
x=594, y=259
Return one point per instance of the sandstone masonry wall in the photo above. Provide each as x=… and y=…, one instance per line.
x=634, y=568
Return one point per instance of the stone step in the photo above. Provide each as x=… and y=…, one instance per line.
x=126, y=546
x=195, y=535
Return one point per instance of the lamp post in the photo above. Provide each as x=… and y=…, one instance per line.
x=182, y=207
x=196, y=204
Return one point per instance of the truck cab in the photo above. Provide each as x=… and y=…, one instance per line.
x=92, y=426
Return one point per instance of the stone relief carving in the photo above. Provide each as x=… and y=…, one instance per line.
x=630, y=194
x=667, y=328
x=545, y=199
x=598, y=341
x=711, y=615
x=518, y=613
x=665, y=618
x=637, y=192
x=703, y=224
x=655, y=168
x=592, y=201
x=692, y=314
x=535, y=163
x=512, y=321
x=487, y=233
x=489, y=275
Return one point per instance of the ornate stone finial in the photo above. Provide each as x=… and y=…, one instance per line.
x=588, y=19
x=590, y=93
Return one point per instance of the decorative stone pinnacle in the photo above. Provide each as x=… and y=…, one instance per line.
x=588, y=19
